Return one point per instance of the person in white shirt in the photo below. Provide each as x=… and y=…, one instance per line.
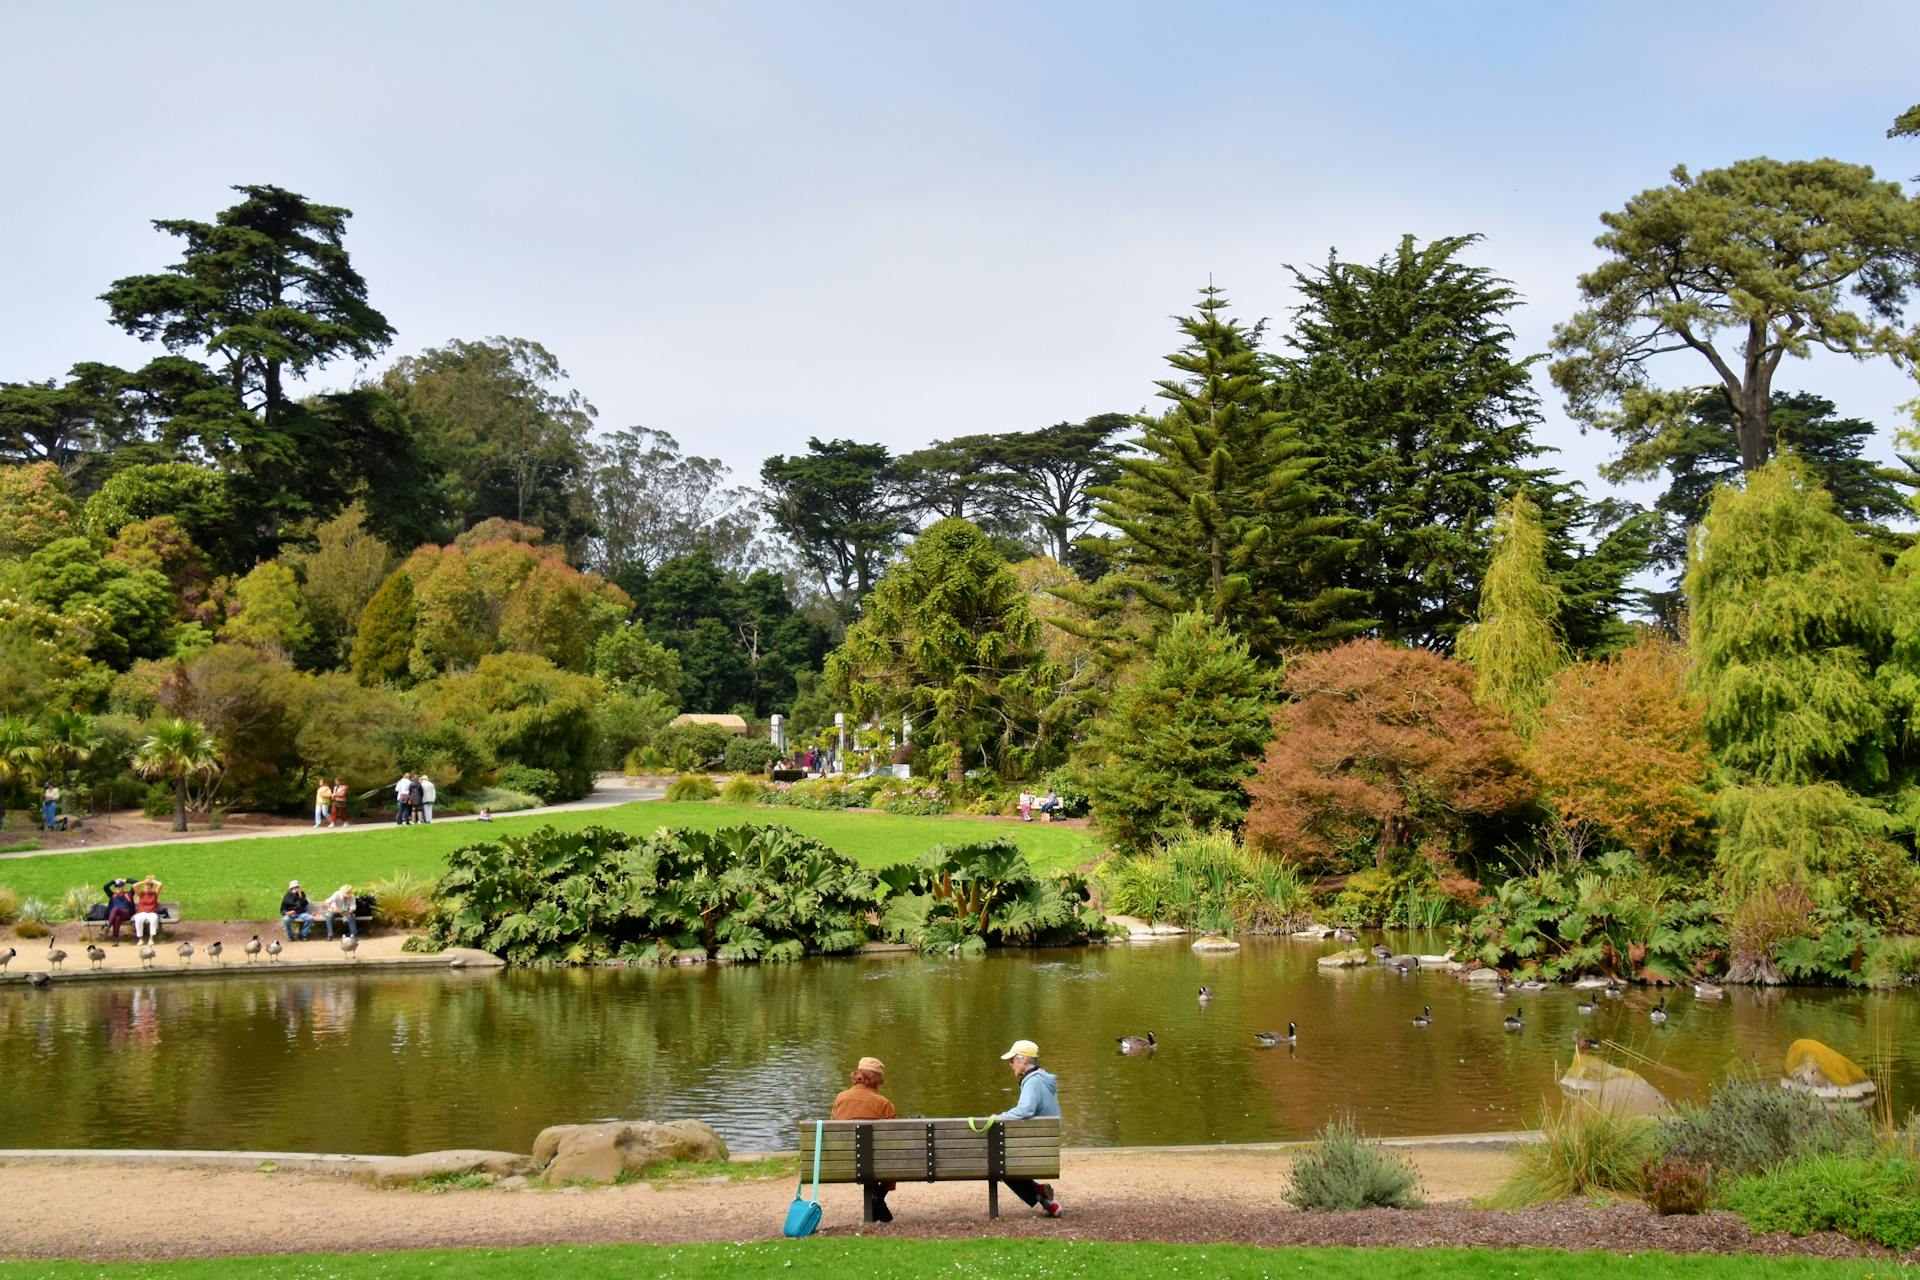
x=425, y=793
x=402, y=799
x=341, y=905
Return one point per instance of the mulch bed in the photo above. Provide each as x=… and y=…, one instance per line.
x=1569, y=1226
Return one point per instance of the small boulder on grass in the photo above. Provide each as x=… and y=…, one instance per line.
x=1343, y=1170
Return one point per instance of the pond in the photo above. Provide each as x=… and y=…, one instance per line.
x=393, y=1062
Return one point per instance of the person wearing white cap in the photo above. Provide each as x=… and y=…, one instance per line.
x=295, y=909
x=1039, y=1096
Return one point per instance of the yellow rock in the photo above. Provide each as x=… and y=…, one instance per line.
x=1813, y=1064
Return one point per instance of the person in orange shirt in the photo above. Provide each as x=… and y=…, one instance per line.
x=862, y=1100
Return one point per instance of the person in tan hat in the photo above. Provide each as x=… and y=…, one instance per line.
x=862, y=1100
x=1039, y=1096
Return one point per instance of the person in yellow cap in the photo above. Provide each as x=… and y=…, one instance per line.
x=862, y=1100
x=1039, y=1096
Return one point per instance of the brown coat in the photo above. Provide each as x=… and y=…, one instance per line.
x=861, y=1102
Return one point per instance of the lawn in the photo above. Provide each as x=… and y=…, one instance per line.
x=243, y=879
x=835, y=1258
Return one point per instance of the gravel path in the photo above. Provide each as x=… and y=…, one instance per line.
x=82, y=1211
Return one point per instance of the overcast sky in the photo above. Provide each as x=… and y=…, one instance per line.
x=746, y=224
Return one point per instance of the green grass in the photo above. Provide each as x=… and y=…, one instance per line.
x=834, y=1258
x=243, y=879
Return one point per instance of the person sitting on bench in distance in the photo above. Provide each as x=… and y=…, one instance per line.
x=862, y=1100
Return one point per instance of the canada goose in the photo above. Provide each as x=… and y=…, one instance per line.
x=273, y=951
x=1344, y=935
x=55, y=958
x=1380, y=952
x=6, y=960
x=252, y=948
x=1587, y=1004
x=147, y=953
x=214, y=949
x=1407, y=964
x=351, y=944
x=1424, y=1017
x=1514, y=1021
x=1584, y=1044
x=95, y=954
x=185, y=952
x=1268, y=1039
x=1206, y=995
x=1659, y=1014
x=39, y=979
x=1533, y=984
x=1613, y=989
x=1500, y=987
x=1708, y=991
x=1128, y=1044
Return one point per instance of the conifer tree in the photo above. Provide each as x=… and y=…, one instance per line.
x=1515, y=648
x=1218, y=509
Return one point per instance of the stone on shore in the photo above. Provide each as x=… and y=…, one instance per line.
x=1139, y=930
x=1215, y=944
x=401, y=1171
x=1483, y=975
x=602, y=1152
x=1353, y=958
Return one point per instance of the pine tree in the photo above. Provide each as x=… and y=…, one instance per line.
x=1217, y=509
x=1516, y=647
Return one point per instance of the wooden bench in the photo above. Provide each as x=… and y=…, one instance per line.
x=97, y=927
x=875, y=1151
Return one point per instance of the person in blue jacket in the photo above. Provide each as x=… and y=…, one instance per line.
x=1039, y=1096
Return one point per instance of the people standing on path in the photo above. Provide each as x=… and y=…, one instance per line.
x=146, y=910
x=49, y=806
x=338, y=817
x=1039, y=1096
x=862, y=1100
x=426, y=793
x=403, y=800
x=322, y=803
x=296, y=909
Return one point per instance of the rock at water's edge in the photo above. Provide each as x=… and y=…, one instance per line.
x=1350, y=959
x=572, y=1152
x=400, y=1171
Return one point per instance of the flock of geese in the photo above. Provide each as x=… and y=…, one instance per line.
x=148, y=953
x=1515, y=1021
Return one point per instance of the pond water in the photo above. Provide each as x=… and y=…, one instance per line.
x=393, y=1062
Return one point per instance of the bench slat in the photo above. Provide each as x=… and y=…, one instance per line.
x=1036, y=1125
x=910, y=1171
x=942, y=1145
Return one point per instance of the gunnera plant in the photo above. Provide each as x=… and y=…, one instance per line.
x=692, y=786
x=1344, y=1170
x=1584, y=1150
x=1749, y=1125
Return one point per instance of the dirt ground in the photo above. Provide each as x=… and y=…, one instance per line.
x=376, y=945
x=81, y=1211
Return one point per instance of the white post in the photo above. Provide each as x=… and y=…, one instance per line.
x=840, y=727
x=779, y=733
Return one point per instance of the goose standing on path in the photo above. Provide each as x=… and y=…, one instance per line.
x=6, y=960
x=95, y=954
x=1514, y=1021
x=1659, y=1014
x=1268, y=1039
x=39, y=979
x=252, y=948
x=214, y=949
x=185, y=952
x=351, y=944
x=273, y=951
x=1137, y=1044
x=147, y=953
x=1424, y=1018
x=55, y=957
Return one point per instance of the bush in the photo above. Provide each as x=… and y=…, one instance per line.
x=963, y=898
x=530, y=781
x=1584, y=1150
x=1346, y=1171
x=1208, y=881
x=926, y=800
x=522, y=710
x=403, y=899
x=691, y=746
x=1675, y=1186
x=626, y=721
x=692, y=786
x=1750, y=1125
x=75, y=902
x=1873, y=1198
x=9, y=906
x=31, y=922
x=158, y=802
x=740, y=789
x=824, y=793
x=500, y=800
x=748, y=755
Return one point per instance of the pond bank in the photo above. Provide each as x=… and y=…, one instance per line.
x=317, y=954
x=1218, y=1195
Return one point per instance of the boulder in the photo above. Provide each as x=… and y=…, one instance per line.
x=401, y=1171
x=1350, y=959
x=1216, y=944
x=1139, y=930
x=471, y=958
x=573, y=1152
x=1816, y=1069
x=1483, y=975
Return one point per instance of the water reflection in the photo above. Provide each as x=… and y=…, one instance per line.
x=412, y=1063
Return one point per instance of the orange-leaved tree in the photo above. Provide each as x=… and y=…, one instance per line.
x=1622, y=749
x=1384, y=746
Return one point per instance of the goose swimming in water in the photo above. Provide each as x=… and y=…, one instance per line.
x=1206, y=995
x=1708, y=991
x=1514, y=1021
x=1138, y=1044
x=1588, y=1005
x=1424, y=1017
x=1659, y=1013
x=1268, y=1039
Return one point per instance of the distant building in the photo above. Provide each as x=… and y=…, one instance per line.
x=732, y=724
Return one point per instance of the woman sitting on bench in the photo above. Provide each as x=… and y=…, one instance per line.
x=863, y=1101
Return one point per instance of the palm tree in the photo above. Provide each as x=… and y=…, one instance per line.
x=177, y=750
x=69, y=738
x=19, y=754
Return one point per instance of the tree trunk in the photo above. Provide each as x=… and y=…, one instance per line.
x=1388, y=842
x=1753, y=422
x=180, y=803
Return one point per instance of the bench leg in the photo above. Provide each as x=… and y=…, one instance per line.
x=866, y=1202
x=993, y=1198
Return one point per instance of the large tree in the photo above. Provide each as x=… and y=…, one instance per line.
x=738, y=640
x=1049, y=476
x=652, y=503
x=1515, y=646
x=1740, y=267
x=1218, y=508
x=1404, y=380
x=838, y=505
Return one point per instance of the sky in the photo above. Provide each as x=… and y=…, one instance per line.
x=748, y=224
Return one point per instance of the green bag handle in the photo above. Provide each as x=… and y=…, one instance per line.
x=819, y=1134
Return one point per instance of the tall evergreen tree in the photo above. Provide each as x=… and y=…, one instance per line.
x=1515, y=648
x=1219, y=510
x=838, y=503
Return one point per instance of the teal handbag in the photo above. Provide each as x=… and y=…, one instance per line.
x=803, y=1215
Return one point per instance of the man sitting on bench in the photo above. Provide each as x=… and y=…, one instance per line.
x=1039, y=1096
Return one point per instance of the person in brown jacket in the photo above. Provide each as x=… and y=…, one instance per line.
x=862, y=1100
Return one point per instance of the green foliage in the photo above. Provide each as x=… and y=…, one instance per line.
x=534, y=782
x=1410, y=896
x=748, y=755
x=948, y=639
x=693, y=745
x=1789, y=622
x=1833, y=844
x=402, y=899
x=624, y=721
x=824, y=793
x=268, y=610
x=1343, y=1170
x=835, y=505
x=1515, y=648
x=627, y=661
x=385, y=636
x=9, y=905
x=522, y=710
x=925, y=799
x=1176, y=743
x=177, y=751
x=35, y=509
x=1610, y=915
x=1584, y=1151
x=741, y=789
x=123, y=610
x=742, y=893
x=731, y=638
x=1874, y=1198
x=198, y=498
x=986, y=893
x=1750, y=1125
x=692, y=786
x=1207, y=881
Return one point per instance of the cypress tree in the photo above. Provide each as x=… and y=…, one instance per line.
x=1515, y=648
